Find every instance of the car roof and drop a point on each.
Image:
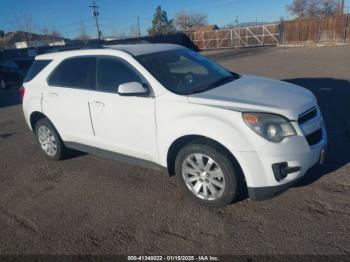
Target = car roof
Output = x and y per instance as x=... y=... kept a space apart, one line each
x=142 y=49
x=132 y=49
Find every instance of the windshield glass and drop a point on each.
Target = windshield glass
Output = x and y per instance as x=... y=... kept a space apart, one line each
x=185 y=72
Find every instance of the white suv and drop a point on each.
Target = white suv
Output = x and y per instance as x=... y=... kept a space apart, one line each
x=165 y=106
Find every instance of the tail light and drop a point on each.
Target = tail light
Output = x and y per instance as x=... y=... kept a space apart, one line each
x=21 y=92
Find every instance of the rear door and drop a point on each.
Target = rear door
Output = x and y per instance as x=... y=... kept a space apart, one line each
x=65 y=98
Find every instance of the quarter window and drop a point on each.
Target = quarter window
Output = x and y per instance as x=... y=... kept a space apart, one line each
x=35 y=69
x=79 y=72
x=112 y=72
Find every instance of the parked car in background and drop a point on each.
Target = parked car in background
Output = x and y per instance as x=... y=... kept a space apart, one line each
x=161 y=105
x=23 y=65
x=10 y=75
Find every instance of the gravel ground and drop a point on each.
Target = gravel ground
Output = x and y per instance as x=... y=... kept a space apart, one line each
x=90 y=205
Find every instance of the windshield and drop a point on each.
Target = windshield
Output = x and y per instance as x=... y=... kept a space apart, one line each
x=185 y=72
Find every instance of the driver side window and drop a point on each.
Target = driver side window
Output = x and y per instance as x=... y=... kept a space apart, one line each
x=111 y=72
x=185 y=65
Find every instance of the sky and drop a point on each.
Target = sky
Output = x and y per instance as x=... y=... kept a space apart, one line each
x=118 y=16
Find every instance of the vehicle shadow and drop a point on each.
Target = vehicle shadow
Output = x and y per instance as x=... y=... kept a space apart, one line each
x=333 y=97
x=9 y=98
x=72 y=153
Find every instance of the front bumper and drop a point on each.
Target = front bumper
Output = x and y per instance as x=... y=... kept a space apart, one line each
x=294 y=151
x=263 y=193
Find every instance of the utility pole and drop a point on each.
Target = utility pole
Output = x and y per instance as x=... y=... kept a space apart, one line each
x=95 y=13
x=236 y=21
x=341 y=7
x=138 y=27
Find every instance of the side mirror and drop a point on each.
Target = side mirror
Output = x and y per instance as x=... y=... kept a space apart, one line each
x=132 y=89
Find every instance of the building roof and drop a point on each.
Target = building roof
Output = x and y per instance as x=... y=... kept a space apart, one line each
x=19 y=36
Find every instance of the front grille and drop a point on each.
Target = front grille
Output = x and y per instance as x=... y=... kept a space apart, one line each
x=308 y=115
x=314 y=138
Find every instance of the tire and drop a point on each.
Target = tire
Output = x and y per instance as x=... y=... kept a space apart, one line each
x=228 y=183
x=46 y=134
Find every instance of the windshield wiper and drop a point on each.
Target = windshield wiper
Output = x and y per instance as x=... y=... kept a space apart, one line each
x=217 y=83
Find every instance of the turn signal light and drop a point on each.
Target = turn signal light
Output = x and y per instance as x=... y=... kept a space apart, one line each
x=250 y=119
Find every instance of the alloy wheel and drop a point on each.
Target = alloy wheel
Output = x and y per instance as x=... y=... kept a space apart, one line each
x=47 y=140
x=203 y=176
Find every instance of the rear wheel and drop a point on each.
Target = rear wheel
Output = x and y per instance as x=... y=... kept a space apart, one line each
x=48 y=139
x=206 y=172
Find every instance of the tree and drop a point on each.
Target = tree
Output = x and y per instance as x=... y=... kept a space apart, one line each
x=312 y=8
x=160 y=23
x=83 y=35
x=134 y=31
x=298 y=8
x=330 y=7
x=23 y=24
x=183 y=20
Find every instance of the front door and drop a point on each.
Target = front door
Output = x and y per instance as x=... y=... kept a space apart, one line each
x=122 y=124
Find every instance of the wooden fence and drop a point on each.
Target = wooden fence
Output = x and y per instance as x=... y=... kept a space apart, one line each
x=327 y=29
x=300 y=31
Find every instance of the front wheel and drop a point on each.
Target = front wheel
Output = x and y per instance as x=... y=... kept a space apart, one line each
x=207 y=173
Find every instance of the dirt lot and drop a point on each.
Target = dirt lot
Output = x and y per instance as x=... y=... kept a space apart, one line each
x=90 y=205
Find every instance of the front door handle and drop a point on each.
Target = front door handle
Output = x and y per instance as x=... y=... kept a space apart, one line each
x=98 y=103
x=53 y=94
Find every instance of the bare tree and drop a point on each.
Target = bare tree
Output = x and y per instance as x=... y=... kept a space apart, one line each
x=83 y=34
x=118 y=35
x=23 y=24
x=329 y=7
x=312 y=8
x=183 y=20
x=50 y=35
x=55 y=33
x=298 y=8
x=134 y=32
x=45 y=31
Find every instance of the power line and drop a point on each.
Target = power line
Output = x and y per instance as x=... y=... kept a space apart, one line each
x=95 y=13
x=234 y=2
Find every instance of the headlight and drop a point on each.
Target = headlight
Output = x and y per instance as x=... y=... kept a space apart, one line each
x=271 y=127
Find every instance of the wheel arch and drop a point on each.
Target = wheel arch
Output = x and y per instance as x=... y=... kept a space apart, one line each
x=35 y=117
x=180 y=142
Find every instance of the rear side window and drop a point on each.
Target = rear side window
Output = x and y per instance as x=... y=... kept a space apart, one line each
x=112 y=72
x=78 y=72
x=36 y=67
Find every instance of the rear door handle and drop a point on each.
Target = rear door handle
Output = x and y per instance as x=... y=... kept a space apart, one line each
x=98 y=103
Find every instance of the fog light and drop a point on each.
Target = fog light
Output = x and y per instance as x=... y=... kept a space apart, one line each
x=281 y=170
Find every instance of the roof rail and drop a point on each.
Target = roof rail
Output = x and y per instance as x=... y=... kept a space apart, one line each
x=128 y=41
x=74 y=47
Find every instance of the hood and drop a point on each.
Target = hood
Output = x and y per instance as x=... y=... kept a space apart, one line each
x=258 y=94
